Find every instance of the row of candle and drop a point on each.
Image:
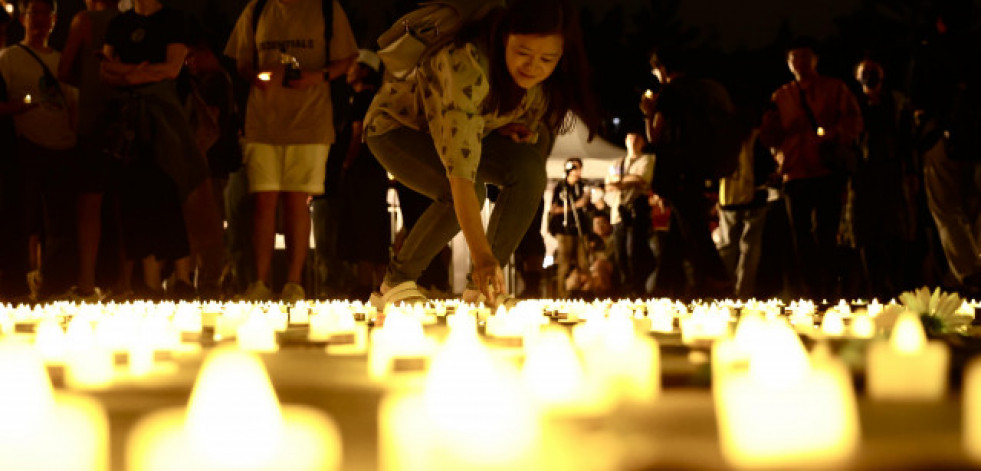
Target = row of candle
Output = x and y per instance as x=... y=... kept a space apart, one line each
x=555 y=379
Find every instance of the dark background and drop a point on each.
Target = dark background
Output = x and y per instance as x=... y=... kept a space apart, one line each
x=739 y=42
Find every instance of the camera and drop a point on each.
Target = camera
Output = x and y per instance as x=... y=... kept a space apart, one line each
x=291 y=68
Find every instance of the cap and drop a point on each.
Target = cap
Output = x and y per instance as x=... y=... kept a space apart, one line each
x=369 y=58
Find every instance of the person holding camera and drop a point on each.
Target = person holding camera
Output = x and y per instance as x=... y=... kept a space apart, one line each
x=566 y=223
x=289 y=124
x=628 y=183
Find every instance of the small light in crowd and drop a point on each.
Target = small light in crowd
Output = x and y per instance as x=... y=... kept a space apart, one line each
x=265 y=76
x=649 y=93
x=820 y=131
x=9 y=7
x=27 y=98
x=616 y=121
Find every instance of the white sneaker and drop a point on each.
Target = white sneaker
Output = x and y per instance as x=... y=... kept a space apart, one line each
x=406 y=292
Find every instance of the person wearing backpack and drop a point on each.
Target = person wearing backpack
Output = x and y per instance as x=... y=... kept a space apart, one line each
x=692 y=127
x=289 y=50
x=482 y=109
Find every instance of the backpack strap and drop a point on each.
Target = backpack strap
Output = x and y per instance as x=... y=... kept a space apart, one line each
x=326 y=7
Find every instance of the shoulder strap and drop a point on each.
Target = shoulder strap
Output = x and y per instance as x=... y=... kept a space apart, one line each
x=256 y=13
x=326 y=6
x=807 y=108
x=44 y=66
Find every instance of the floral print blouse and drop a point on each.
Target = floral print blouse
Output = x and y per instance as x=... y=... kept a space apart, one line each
x=443 y=97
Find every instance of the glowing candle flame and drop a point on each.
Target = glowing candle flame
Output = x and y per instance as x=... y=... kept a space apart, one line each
x=907 y=335
x=233 y=416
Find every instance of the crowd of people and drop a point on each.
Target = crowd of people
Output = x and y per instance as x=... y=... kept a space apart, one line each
x=139 y=143
x=831 y=189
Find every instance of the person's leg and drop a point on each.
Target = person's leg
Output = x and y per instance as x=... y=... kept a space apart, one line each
x=412 y=158
x=519 y=170
x=297 y=227
x=264 y=232
x=151 y=274
x=238 y=212
x=89 y=207
x=264 y=164
x=565 y=253
x=203 y=220
x=750 y=250
x=730 y=228
x=304 y=170
x=828 y=195
x=800 y=208
x=947 y=185
x=710 y=278
x=59 y=263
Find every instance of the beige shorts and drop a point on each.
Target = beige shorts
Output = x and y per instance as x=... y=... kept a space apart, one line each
x=297 y=168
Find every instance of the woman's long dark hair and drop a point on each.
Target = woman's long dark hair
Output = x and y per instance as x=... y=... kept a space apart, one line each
x=567 y=88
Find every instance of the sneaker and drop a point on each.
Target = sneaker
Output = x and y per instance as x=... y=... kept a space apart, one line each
x=257 y=291
x=292 y=292
x=406 y=292
x=76 y=296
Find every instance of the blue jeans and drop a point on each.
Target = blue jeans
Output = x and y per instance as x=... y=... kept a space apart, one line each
x=518 y=169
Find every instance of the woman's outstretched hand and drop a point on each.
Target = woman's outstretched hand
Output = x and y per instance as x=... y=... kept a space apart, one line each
x=488 y=276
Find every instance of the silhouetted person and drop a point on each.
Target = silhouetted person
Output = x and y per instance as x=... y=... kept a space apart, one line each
x=812 y=111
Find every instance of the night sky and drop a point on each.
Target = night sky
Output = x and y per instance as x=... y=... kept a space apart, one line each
x=739 y=42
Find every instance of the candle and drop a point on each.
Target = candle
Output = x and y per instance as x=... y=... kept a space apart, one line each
x=907 y=366
x=400 y=345
x=782 y=412
x=556 y=378
x=471 y=415
x=40 y=429
x=971 y=435
x=234 y=422
x=833 y=323
x=862 y=326
x=89 y=363
x=265 y=76
x=257 y=334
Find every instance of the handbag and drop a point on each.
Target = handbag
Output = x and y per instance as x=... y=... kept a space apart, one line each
x=840 y=158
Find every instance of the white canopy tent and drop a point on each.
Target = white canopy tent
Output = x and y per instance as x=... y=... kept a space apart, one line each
x=597 y=155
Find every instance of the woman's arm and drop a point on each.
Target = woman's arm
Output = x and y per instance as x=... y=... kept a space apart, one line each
x=119 y=74
x=487 y=274
x=77 y=42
